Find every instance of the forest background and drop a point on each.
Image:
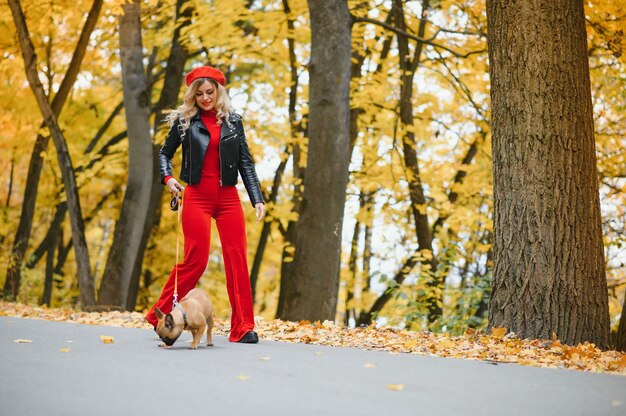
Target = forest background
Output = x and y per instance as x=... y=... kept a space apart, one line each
x=264 y=48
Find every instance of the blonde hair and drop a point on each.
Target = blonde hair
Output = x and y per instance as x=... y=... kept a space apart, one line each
x=188 y=108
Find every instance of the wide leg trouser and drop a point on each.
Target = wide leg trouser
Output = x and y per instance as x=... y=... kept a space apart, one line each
x=202 y=202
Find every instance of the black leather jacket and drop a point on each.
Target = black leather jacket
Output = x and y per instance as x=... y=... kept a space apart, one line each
x=233 y=152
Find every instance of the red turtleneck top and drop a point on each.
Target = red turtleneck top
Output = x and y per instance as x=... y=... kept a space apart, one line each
x=211 y=164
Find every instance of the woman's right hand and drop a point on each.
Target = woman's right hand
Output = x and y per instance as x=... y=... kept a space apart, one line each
x=174 y=186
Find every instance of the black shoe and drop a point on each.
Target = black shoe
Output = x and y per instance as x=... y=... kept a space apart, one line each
x=251 y=337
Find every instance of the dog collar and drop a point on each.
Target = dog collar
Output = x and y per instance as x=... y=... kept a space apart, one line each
x=177 y=305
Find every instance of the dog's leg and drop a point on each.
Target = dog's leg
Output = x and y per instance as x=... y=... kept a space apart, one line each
x=209 y=329
x=196 y=339
x=197 y=336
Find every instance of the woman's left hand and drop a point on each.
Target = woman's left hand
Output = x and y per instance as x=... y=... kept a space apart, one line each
x=260 y=211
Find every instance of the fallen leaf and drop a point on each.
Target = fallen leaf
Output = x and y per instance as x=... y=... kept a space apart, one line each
x=242 y=377
x=264 y=358
x=395 y=387
x=369 y=365
x=498 y=332
x=106 y=339
x=318 y=353
x=621 y=364
x=410 y=344
x=23 y=341
x=65 y=350
x=447 y=343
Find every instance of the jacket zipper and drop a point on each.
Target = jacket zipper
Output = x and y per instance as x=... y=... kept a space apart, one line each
x=219 y=152
x=189 y=155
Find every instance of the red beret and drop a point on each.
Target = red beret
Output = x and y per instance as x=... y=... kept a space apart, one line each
x=205 y=72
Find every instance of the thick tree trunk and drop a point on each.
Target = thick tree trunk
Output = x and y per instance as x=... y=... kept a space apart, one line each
x=22 y=235
x=129 y=230
x=85 y=278
x=312 y=293
x=549 y=275
x=168 y=99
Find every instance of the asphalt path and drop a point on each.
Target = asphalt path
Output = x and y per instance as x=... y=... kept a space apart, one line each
x=133 y=376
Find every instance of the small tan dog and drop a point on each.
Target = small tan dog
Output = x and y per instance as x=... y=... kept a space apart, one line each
x=194 y=312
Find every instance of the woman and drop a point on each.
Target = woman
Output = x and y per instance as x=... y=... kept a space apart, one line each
x=214 y=149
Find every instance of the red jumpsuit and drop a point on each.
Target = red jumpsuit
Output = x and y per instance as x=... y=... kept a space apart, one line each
x=201 y=202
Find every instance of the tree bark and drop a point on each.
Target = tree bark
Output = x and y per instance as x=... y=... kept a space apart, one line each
x=549 y=275
x=128 y=236
x=22 y=235
x=85 y=278
x=312 y=293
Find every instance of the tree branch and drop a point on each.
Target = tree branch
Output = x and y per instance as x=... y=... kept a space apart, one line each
x=414 y=37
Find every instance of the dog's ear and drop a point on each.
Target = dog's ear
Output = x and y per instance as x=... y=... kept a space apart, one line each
x=158 y=313
x=169 y=321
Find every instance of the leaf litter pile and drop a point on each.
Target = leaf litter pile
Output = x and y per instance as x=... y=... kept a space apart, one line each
x=496 y=347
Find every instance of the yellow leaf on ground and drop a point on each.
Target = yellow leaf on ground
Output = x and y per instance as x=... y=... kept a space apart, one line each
x=106 y=339
x=65 y=350
x=264 y=358
x=410 y=344
x=369 y=365
x=498 y=332
x=447 y=343
x=395 y=387
x=23 y=341
x=242 y=377
x=621 y=364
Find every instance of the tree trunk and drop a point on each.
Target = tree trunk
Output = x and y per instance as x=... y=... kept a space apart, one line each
x=11 y=172
x=168 y=99
x=433 y=299
x=22 y=235
x=175 y=64
x=267 y=224
x=287 y=270
x=5 y=214
x=312 y=294
x=129 y=230
x=65 y=163
x=352 y=280
x=549 y=275
x=47 y=286
x=620 y=340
